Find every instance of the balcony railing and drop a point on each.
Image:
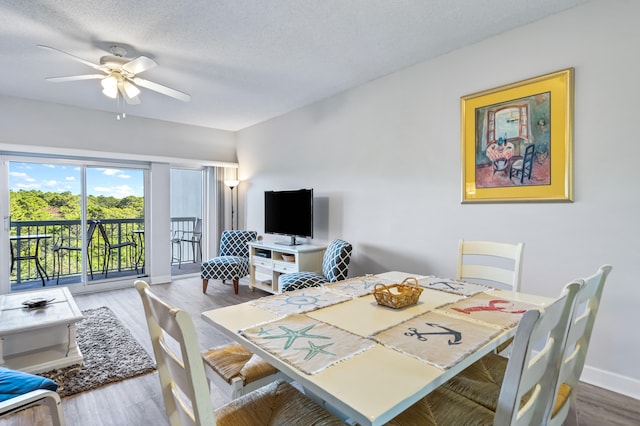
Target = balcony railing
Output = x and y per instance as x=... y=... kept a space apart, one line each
x=59 y=248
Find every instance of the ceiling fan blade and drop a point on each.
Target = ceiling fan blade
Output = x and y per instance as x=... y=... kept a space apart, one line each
x=138 y=65
x=82 y=61
x=161 y=89
x=129 y=92
x=75 y=78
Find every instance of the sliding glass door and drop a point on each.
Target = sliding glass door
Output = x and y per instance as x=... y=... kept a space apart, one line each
x=45 y=204
x=73 y=222
x=187 y=214
x=115 y=221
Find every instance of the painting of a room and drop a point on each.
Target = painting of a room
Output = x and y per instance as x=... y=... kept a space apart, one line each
x=513 y=143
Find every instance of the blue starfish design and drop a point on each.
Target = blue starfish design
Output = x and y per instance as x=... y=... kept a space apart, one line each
x=315 y=350
x=263 y=331
x=292 y=335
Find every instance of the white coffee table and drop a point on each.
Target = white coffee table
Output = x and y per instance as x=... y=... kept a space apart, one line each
x=39 y=339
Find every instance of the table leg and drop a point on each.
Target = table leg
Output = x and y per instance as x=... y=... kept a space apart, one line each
x=73 y=344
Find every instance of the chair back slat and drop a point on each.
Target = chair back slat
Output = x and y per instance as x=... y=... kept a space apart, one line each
x=488 y=273
x=184 y=385
x=533 y=371
x=491 y=262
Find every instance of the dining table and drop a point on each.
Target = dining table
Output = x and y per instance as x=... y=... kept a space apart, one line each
x=367 y=362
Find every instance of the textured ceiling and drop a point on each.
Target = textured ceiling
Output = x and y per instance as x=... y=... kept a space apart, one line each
x=242 y=61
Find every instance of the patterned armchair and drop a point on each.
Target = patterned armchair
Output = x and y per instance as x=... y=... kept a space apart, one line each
x=335 y=266
x=232 y=262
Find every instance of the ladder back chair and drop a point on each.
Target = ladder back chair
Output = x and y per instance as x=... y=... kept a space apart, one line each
x=236 y=371
x=576 y=346
x=491 y=263
x=530 y=376
x=481 y=382
x=184 y=384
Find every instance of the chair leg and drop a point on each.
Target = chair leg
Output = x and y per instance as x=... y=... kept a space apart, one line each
x=235 y=285
x=57 y=267
x=205 y=283
x=55 y=407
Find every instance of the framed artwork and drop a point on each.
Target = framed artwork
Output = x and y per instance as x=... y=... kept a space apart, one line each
x=517 y=141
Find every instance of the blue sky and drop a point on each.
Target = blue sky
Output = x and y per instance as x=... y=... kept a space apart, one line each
x=112 y=181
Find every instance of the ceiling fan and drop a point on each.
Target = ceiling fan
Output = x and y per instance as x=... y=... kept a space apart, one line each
x=119 y=75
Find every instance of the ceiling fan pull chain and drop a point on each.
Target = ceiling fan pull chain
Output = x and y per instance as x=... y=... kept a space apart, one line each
x=120 y=106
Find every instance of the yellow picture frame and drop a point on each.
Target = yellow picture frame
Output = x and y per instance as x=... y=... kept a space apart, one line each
x=517 y=141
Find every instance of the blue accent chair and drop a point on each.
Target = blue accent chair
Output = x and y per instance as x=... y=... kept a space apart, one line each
x=335 y=267
x=232 y=262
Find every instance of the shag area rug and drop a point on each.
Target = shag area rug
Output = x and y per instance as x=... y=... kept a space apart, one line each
x=110 y=354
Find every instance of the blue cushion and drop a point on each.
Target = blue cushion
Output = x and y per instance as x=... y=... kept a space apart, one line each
x=232 y=262
x=15 y=383
x=335 y=267
x=298 y=280
x=225 y=268
x=335 y=263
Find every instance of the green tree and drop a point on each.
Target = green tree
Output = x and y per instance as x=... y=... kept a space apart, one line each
x=38 y=205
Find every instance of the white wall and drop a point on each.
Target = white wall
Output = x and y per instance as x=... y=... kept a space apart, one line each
x=43 y=128
x=384 y=161
x=27 y=122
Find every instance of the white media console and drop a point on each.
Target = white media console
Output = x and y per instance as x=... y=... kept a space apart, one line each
x=267 y=261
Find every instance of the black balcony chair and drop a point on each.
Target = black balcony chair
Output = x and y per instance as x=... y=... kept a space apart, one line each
x=65 y=245
x=109 y=247
x=194 y=237
x=13 y=256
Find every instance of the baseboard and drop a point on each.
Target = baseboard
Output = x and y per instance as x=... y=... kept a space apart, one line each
x=611 y=381
x=160 y=279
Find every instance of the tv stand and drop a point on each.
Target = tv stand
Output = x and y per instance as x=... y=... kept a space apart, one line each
x=293 y=242
x=267 y=261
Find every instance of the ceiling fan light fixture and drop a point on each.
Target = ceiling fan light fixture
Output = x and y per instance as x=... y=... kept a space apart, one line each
x=112 y=93
x=110 y=86
x=131 y=90
x=121 y=75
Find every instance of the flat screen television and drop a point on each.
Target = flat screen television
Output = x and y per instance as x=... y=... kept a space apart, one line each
x=289 y=213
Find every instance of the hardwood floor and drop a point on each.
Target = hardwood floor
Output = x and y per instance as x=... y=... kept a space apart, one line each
x=138 y=401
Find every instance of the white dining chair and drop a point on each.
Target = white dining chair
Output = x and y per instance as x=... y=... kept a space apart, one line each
x=481 y=382
x=576 y=346
x=530 y=375
x=184 y=384
x=491 y=263
x=235 y=370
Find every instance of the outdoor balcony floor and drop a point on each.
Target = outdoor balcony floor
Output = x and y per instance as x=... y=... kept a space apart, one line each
x=186 y=268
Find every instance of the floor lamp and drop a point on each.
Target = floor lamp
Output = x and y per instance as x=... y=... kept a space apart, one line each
x=232 y=183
